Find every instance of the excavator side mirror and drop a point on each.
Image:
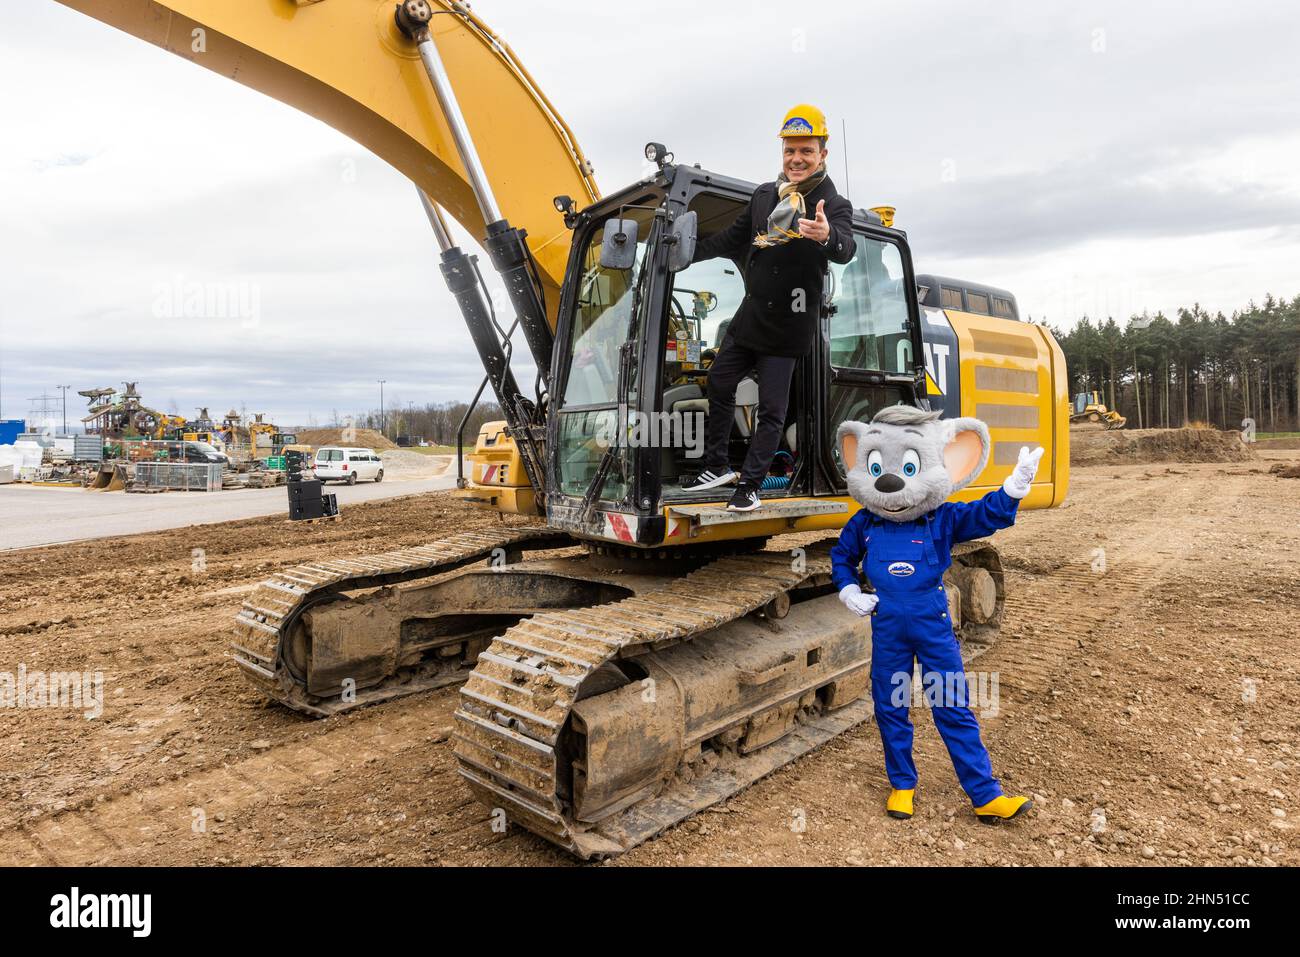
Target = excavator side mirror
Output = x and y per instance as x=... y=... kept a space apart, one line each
x=618 y=248
x=682 y=250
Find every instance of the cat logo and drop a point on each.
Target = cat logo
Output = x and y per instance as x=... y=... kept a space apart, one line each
x=942 y=362
x=901 y=569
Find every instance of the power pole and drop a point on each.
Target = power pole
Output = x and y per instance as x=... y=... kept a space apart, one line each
x=42 y=411
x=381 y=405
x=65 y=389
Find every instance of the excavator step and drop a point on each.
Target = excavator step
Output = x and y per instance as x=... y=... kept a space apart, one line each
x=790 y=512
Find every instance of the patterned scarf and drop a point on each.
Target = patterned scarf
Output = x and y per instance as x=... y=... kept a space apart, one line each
x=789 y=207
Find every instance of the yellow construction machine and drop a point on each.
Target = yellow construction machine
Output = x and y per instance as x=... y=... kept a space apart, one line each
x=638 y=652
x=1089 y=412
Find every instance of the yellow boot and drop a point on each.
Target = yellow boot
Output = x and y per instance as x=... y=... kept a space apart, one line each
x=1003 y=808
x=899 y=804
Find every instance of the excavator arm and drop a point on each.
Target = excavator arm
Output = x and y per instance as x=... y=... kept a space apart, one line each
x=346 y=63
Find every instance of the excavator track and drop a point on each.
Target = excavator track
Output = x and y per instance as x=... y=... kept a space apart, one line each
x=519 y=699
x=273 y=614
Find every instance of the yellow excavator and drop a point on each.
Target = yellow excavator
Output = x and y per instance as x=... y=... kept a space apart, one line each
x=637 y=652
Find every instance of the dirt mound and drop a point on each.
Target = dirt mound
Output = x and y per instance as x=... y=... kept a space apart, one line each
x=1128 y=446
x=357 y=438
x=403 y=464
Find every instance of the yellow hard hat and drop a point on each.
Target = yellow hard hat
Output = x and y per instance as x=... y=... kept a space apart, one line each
x=804 y=120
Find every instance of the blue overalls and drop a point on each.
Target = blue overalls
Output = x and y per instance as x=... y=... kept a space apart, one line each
x=905 y=562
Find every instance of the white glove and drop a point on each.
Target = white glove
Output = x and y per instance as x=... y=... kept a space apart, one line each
x=857 y=601
x=1018 y=482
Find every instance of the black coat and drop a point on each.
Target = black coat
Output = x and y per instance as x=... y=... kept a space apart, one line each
x=781 y=310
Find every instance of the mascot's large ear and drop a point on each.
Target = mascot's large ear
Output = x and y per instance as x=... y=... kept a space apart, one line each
x=847 y=436
x=966 y=452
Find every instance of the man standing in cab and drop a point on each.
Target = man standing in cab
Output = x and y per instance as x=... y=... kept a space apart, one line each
x=781 y=242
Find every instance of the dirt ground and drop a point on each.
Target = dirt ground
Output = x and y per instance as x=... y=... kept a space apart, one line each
x=1149 y=700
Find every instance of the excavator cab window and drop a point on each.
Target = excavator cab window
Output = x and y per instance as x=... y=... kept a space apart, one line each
x=870 y=335
x=869 y=326
x=708 y=291
x=604 y=308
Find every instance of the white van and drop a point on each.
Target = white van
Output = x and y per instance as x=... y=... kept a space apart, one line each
x=348 y=465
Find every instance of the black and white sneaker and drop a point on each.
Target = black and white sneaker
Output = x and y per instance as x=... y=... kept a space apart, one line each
x=709 y=479
x=745 y=499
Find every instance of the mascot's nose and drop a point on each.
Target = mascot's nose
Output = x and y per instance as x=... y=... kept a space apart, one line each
x=889 y=482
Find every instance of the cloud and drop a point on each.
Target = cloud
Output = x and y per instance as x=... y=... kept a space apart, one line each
x=63 y=159
x=1124 y=195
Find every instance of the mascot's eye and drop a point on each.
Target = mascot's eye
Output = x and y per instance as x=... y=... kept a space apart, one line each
x=875 y=464
x=911 y=462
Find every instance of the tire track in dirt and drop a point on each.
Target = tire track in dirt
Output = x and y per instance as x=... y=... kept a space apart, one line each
x=111 y=830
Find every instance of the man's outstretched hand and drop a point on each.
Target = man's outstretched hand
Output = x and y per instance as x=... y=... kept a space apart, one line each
x=816 y=229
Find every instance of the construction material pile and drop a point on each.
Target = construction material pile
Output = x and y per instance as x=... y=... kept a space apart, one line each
x=21 y=460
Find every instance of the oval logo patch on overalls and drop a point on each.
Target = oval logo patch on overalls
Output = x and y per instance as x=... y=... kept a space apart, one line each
x=901 y=569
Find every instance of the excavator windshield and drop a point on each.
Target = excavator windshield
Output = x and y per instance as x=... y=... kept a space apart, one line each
x=869 y=327
x=602 y=318
x=600 y=374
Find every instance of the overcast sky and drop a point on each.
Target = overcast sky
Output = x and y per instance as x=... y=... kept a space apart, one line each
x=1103 y=158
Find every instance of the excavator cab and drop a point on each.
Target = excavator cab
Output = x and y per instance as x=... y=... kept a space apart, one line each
x=633 y=348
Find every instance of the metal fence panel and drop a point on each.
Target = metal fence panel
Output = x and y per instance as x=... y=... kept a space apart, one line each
x=187 y=476
x=87 y=448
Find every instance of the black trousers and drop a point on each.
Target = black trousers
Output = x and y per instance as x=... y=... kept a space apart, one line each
x=732 y=364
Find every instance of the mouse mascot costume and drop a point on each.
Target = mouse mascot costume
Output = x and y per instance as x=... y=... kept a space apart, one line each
x=902 y=468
